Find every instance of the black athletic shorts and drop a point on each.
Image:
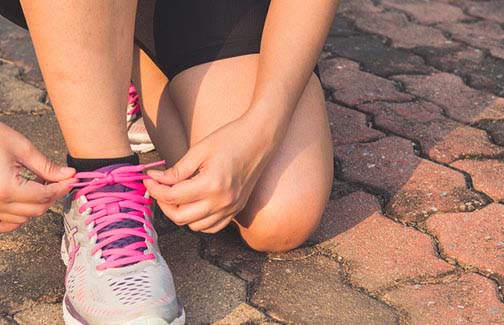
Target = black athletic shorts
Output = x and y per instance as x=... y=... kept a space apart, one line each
x=179 y=34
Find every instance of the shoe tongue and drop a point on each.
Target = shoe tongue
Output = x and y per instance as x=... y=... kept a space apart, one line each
x=120 y=224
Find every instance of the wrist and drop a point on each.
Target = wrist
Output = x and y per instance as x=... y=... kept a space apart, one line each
x=269 y=118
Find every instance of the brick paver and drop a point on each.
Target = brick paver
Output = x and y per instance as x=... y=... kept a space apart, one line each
x=486 y=175
x=349 y=126
x=413 y=230
x=311 y=291
x=416 y=187
x=485 y=34
x=243 y=314
x=479 y=70
x=490 y=10
x=375 y=56
x=460 y=102
x=378 y=251
x=427 y=12
x=16 y=47
x=22 y=255
x=471 y=299
x=344 y=213
x=440 y=138
x=17 y=96
x=474 y=239
x=352 y=87
x=403 y=33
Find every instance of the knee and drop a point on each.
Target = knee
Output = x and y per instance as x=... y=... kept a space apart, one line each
x=279 y=230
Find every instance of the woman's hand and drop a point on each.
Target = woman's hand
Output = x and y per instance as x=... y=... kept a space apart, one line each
x=213 y=181
x=22 y=199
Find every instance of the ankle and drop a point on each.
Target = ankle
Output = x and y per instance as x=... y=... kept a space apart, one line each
x=90 y=164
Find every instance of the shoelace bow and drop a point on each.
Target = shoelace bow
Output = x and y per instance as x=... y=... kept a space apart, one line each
x=106 y=210
x=134 y=106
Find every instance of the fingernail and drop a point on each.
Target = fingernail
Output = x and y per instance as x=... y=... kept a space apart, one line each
x=67 y=170
x=155 y=173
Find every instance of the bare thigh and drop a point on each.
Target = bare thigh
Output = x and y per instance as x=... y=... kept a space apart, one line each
x=289 y=198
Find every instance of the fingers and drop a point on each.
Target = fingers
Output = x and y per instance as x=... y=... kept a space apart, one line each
x=6 y=226
x=40 y=165
x=187 y=213
x=25 y=209
x=198 y=216
x=13 y=219
x=34 y=192
x=186 y=167
x=188 y=191
x=211 y=224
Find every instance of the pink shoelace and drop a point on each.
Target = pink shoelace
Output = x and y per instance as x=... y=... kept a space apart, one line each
x=106 y=210
x=133 y=105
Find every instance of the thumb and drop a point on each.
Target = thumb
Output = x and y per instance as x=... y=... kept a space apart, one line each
x=41 y=166
x=186 y=167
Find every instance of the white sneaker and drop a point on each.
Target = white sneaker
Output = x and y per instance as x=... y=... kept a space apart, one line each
x=140 y=141
x=115 y=272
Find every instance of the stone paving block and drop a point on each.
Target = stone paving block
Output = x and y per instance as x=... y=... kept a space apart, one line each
x=349 y=126
x=471 y=299
x=495 y=128
x=460 y=102
x=16 y=95
x=16 y=46
x=357 y=8
x=481 y=71
x=402 y=32
x=486 y=175
x=32 y=270
x=243 y=314
x=342 y=26
x=380 y=252
x=341 y=188
x=41 y=314
x=375 y=56
x=311 y=291
x=441 y=139
x=227 y=250
x=345 y=213
x=352 y=86
x=427 y=12
x=483 y=34
x=42 y=130
x=475 y=238
x=5 y=321
x=416 y=187
x=207 y=292
x=490 y=10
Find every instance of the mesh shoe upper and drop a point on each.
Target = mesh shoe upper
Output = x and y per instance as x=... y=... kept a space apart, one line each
x=115 y=272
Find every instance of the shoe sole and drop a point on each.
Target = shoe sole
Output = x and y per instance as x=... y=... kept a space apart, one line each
x=70 y=320
x=142 y=147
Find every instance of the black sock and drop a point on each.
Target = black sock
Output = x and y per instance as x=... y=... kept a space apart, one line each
x=87 y=165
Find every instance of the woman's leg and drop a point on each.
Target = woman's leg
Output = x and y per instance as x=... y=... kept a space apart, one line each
x=85 y=52
x=288 y=201
x=161 y=118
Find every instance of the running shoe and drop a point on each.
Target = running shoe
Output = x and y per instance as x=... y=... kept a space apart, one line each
x=140 y=141
x=115 y=272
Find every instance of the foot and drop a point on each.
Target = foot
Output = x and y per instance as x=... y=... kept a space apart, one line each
x=140 y=141
x=115 y=272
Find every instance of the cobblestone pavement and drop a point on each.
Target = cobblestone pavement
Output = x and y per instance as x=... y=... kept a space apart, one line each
x=414 y=230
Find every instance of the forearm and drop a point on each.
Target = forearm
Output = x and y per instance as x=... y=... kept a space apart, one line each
x=293 y=37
